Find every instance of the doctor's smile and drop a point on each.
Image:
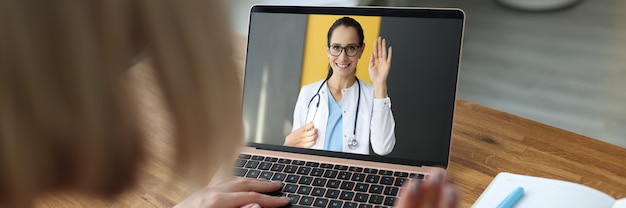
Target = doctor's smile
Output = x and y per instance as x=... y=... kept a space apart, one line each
x=342 y=66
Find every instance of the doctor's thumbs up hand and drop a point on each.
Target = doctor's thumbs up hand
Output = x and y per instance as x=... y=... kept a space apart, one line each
x=305 y=136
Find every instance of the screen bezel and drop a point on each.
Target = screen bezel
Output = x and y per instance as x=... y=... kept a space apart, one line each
x=445 y=13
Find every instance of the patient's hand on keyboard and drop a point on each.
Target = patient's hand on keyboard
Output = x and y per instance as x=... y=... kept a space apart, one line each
x=434 y=192
x=240 y=192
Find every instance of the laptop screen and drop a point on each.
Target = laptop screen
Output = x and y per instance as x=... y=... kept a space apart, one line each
x=288 y=61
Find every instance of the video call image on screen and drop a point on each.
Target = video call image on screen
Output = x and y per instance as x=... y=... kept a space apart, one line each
x=288 y=99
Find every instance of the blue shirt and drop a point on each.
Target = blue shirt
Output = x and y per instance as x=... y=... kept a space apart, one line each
x=334 y=129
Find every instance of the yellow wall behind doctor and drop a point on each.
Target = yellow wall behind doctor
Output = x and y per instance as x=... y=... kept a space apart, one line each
x=315 y=61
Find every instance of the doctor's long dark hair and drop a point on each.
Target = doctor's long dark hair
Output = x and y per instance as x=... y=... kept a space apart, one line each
x=348 y=22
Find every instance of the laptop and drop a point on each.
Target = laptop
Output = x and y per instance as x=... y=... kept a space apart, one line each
x=384 y=143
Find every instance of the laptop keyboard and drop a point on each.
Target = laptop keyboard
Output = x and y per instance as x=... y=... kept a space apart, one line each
x=313 y=184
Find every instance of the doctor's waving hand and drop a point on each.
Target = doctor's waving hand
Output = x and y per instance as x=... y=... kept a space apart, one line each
x=342 y=113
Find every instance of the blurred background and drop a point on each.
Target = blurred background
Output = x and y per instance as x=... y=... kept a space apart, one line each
x=559 y=62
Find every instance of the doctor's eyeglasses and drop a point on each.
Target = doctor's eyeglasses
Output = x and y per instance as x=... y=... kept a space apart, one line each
x=350 y=50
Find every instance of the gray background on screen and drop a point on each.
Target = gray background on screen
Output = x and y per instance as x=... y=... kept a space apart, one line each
x=273 y=73
x=421 y=83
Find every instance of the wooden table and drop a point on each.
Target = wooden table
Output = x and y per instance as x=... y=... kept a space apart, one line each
x=485 y=142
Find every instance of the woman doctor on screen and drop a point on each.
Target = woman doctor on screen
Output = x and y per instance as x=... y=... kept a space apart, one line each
x=341 y=112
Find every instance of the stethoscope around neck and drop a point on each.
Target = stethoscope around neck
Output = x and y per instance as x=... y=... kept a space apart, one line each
x=352 y=142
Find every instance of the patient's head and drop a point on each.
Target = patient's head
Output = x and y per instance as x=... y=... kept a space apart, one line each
x=71 y=117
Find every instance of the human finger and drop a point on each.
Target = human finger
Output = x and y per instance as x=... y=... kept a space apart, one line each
x=249 y=184
x=450 y=197
x=377 y=46
x=309 y=143
x=310 y=138
x=308 y=126
x=431 y=188
x=384 y=49
x=239 y=199
x=375 y=49
x=255 y=205
x=417 y=193
x=313 y=137
x=311 y=132
x=408 y=196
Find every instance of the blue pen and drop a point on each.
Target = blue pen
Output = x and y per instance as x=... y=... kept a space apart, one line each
x=512 y=198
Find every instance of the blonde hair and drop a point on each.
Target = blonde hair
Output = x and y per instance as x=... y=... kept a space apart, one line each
x=67 y=118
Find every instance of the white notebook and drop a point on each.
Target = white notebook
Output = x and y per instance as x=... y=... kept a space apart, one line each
x=544 y=192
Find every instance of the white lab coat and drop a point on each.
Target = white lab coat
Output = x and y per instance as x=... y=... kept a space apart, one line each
x=375 y=117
